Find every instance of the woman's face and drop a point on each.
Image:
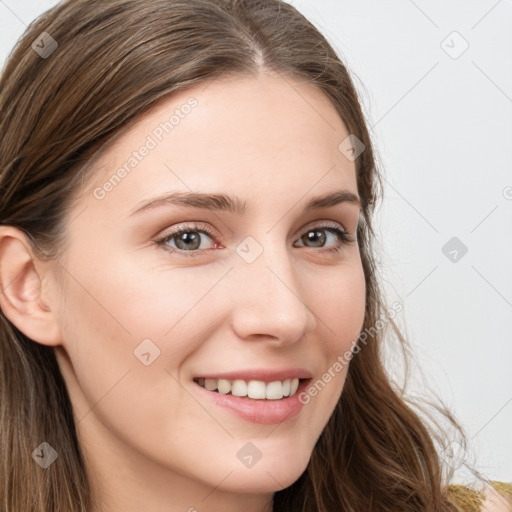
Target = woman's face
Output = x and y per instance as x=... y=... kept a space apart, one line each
x=270 y=293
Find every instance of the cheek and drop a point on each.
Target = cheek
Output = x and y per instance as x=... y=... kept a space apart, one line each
x=120 y=319
x=119 y=304
x=111 y=309
x=108 y=316
x=341 y=306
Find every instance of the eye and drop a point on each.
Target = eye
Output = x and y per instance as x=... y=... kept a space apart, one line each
x=318 y=236
x=187 y=239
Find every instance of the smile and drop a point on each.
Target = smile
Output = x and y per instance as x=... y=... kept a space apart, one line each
x=272 y=402
x=255 y=389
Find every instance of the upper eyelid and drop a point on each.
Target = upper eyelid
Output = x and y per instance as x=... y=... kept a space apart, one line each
x=324 y=223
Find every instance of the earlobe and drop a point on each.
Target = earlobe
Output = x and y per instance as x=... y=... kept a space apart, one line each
x=21 y=291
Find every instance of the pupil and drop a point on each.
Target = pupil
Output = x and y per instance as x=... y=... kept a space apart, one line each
x=188 y=240
x=319 y=236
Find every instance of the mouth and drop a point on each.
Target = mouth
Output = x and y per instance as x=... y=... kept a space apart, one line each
x=253 y=389
x=257 y=396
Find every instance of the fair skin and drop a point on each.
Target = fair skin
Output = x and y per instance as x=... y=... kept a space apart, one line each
x=494 y=501
x=152 y=438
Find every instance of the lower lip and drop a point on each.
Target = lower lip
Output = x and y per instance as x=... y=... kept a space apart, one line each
x=267 y=412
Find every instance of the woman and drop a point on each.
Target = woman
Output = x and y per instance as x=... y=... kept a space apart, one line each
x=191 y=316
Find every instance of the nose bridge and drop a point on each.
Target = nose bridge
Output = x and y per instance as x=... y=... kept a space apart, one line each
x=269 y=300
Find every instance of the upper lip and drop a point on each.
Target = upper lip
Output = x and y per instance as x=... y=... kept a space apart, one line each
x=262 y=374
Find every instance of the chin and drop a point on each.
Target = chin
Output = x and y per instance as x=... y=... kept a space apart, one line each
x=260 y=482
x=277 y=473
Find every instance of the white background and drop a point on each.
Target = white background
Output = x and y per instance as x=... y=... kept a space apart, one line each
x=443 y=133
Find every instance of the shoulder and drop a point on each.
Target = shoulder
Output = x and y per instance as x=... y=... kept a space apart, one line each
x=495 y=497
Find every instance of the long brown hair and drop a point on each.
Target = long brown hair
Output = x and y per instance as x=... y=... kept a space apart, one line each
x=114 y=60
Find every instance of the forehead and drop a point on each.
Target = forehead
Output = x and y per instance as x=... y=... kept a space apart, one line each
x=239 y=133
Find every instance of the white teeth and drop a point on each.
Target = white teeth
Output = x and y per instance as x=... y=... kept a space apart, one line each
x=255 y=389
x=239 y=388
x=224 y=386
x=274 y=390
x=293 y=386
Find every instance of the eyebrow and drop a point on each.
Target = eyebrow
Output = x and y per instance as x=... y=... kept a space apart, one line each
x=235 y=205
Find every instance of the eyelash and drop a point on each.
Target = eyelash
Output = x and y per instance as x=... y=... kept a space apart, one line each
x=344 y=237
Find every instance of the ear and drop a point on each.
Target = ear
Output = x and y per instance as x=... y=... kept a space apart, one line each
x=22 y=290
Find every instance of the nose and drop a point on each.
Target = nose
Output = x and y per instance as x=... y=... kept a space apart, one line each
x=270 y=302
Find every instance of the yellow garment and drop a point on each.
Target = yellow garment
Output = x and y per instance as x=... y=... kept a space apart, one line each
x=471 y=500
